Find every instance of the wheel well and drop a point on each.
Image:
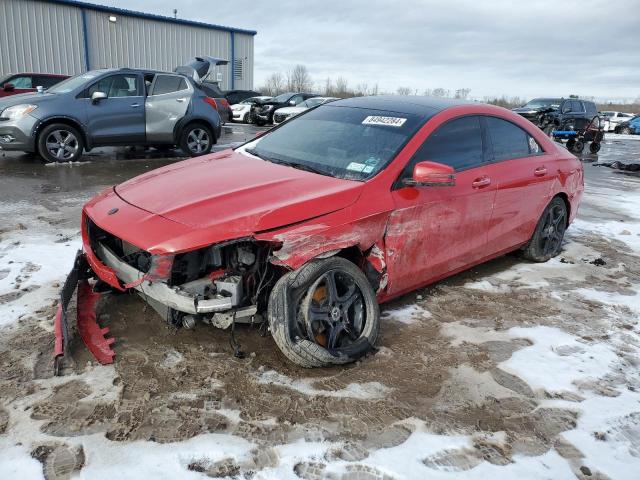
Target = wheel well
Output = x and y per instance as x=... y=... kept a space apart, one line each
x=567 y=204
x=65 y=121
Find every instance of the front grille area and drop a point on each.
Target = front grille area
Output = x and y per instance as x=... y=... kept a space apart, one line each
x=279 y=117
x=130 y=254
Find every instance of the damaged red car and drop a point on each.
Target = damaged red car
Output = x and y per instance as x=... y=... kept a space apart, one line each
x=312 y=225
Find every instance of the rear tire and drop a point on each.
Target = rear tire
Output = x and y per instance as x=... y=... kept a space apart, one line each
x=625 y=131
x=60 y=142
x=594 y=147
x=546 y=241
x=330 y=329
x=578 y=146
x=196 y=139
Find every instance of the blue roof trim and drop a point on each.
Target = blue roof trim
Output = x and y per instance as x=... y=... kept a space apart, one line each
x=149 y=16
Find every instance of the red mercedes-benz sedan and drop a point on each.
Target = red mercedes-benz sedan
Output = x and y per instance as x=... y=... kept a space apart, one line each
x=310 y=226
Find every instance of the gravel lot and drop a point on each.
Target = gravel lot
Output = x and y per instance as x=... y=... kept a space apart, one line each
x=509 y=370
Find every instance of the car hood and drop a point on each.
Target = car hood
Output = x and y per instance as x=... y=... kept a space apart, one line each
x=234 y=195
x=34 y=98
x=291 y=110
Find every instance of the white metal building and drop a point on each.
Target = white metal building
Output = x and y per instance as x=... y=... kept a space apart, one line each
x=70 y=37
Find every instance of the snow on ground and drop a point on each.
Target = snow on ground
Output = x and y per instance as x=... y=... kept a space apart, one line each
x=593 y=377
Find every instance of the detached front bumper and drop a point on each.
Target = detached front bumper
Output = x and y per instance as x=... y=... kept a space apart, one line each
x=93 y=336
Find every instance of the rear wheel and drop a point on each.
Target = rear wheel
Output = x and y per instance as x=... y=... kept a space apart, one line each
x=546 y=241
x=59 y=142
x=625 y=131
x=324 y=313
x=196 y=140
x=594 y=147
x=578 y=146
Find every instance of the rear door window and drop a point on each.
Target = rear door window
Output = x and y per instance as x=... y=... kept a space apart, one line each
x=509 y=141
x=168 y=84
x=457 y=143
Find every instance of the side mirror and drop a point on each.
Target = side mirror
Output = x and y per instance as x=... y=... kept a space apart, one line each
x=97 y=96
x=432 y=174
x=8 y=87
x=566 y=109
x=292 y=103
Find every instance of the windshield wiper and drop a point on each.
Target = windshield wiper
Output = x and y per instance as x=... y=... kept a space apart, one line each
x=300 y=166
x=252 y=151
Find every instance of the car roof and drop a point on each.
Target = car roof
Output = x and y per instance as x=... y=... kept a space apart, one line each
x=56 y=75
x=412 y=104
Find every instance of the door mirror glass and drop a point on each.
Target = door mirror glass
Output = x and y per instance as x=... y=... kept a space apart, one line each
x=292 y=103
x=97 y=96
x=566 y=108
x=432 y=174
x=8 y=87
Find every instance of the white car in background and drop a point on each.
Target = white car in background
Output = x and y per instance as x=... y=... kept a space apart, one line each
x=284 y=114
x=612 y=119
x=241 y=112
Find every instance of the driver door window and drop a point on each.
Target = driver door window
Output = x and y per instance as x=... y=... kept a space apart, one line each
x=23 y=82
x=116 y=86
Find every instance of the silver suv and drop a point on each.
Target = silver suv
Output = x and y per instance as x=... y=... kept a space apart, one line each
x=111 y=107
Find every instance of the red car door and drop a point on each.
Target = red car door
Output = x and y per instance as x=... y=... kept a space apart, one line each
x=524 y=176
x=435 y=231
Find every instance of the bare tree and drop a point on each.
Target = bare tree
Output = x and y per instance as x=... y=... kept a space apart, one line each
x=274 y=84
x=462 y=93
x=440 y=92
x=404 y=91
x=298 y=79
x=342 y=88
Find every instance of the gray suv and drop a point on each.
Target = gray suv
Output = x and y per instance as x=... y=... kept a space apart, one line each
x=111 y=107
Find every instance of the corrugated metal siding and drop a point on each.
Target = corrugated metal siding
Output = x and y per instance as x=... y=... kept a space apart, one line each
x=244 y=52
x=48 y=37
x=40 y=37
x=137 y=42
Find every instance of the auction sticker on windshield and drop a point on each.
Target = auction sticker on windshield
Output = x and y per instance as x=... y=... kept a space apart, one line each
x=388 y=121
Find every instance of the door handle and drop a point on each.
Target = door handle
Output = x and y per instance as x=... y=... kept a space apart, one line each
x=180 y=100
x=135 y=105
x=540 y=171
x=481 y=182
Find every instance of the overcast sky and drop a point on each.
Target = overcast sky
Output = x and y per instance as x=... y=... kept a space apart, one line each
x=494 y=47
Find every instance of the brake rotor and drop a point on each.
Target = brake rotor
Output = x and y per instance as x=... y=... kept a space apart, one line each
x=319 y=296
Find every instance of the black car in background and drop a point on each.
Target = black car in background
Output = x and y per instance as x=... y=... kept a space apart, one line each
x=534 y=108
x=237 y=96
x=552 y=114
x=262 y=112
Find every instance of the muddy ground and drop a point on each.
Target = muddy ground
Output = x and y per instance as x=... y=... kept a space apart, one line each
x=438 y=366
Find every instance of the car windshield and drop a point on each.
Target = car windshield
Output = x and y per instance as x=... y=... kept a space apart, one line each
x=543 y=102
x=342 y=142
x=283 y=97
x=72 y=83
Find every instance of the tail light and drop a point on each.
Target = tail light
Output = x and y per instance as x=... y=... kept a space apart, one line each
x=212 y=102
x=224 y=103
